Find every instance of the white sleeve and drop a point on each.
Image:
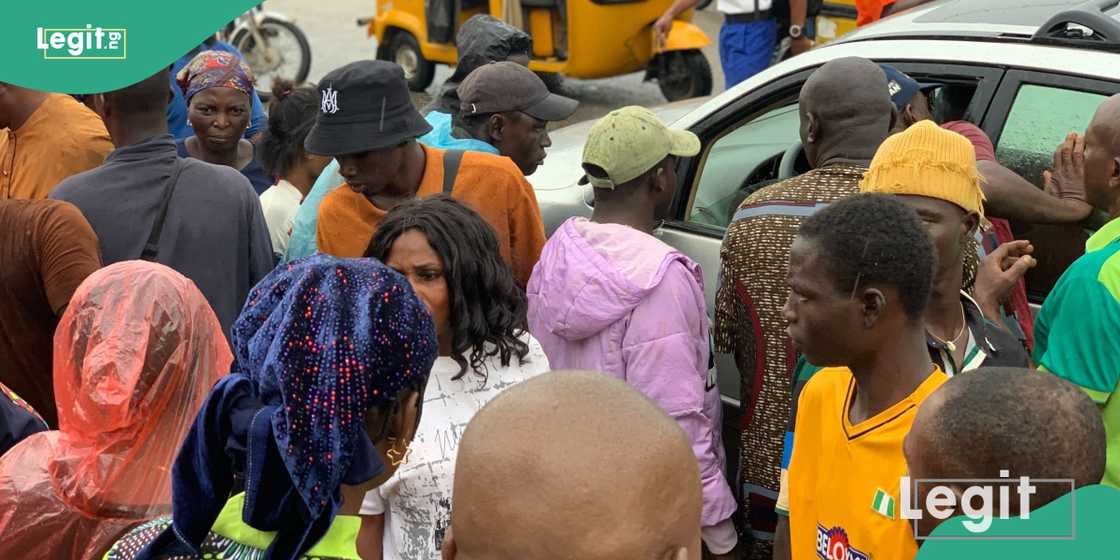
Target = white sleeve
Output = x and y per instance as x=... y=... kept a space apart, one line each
x=373 y=503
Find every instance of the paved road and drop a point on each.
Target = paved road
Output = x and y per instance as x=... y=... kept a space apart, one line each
x=336 y=39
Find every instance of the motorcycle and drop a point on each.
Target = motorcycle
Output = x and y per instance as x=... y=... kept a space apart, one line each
x=272 y=45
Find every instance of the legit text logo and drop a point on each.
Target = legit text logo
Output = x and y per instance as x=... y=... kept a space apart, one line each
x=944 y=497
x=89 y=43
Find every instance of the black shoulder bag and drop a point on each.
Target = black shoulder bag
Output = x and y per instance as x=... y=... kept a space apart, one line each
x=151 y=248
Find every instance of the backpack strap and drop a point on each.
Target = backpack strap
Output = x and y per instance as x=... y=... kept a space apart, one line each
x=451 y=161
x=151 y=248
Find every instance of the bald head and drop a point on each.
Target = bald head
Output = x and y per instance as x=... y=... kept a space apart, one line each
x=846 y=110
x=1102 y=158
x=574 y=465
x=1027 y=422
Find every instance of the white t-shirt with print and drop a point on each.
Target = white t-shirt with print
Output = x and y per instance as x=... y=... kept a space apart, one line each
x=416 y=501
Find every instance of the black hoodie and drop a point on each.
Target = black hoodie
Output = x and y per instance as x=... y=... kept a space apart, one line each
x=481 y=40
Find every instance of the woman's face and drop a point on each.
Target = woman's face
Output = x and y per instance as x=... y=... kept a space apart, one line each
x=219 y=117
x=412 y=256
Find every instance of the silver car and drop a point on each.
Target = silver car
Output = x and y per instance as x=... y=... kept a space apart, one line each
x=1026 y=71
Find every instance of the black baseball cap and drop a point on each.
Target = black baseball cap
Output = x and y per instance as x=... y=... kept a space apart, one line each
x=504 y=86
x=903 y=88
x=364 y=106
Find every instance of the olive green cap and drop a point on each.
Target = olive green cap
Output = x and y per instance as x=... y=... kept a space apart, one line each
x=630 y=141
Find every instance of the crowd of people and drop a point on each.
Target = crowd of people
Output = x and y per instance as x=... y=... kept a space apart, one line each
x=340 y=331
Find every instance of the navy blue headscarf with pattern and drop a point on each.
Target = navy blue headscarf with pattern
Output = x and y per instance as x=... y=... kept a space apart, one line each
x=321 y=341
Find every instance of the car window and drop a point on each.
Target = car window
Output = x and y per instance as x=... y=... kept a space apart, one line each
x=1039 y=120
x=742 y=161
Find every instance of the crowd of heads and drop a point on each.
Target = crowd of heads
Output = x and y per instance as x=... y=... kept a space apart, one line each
x=331 y=357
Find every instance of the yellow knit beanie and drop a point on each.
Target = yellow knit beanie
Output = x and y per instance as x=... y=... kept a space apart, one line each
x=927 y=160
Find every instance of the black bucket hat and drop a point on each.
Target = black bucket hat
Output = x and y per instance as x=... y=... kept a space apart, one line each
x=364 y=106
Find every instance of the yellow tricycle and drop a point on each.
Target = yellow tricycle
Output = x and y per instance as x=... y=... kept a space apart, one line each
x=837 y=18
x=576 y=38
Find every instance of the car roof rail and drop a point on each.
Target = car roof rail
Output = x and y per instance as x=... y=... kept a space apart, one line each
x=1086 y=25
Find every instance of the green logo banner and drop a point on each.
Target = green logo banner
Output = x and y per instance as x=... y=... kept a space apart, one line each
x=82 y=46
x=1081 y=524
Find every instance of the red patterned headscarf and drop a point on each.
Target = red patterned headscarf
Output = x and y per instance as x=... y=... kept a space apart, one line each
x=211 y=69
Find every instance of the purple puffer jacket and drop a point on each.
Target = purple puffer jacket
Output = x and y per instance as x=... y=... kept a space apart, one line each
x=610 y=298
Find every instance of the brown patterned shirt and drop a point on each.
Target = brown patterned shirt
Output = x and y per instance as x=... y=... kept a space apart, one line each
x=749 y=322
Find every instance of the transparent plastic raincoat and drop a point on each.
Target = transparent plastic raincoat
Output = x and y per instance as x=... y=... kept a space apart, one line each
x=135 y=355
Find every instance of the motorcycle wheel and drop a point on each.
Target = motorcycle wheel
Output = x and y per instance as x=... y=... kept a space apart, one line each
x=288 y=54
x=683 y=74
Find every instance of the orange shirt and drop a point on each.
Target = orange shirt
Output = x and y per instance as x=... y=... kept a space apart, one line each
x=870 y=10
x=492 y=185
x=844 y=479
x=61 y=138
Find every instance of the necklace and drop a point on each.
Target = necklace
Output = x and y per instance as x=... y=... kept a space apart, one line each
x=951 y=344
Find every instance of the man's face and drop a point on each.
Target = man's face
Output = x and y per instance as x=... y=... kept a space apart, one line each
x=947 y=225
x=371 y=173
x=918 y=110
x=522 y=139
x=1100 y=169
x=823 y=321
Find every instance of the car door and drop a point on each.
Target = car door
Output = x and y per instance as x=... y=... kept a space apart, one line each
x=1029 y=117
x=741 y=143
